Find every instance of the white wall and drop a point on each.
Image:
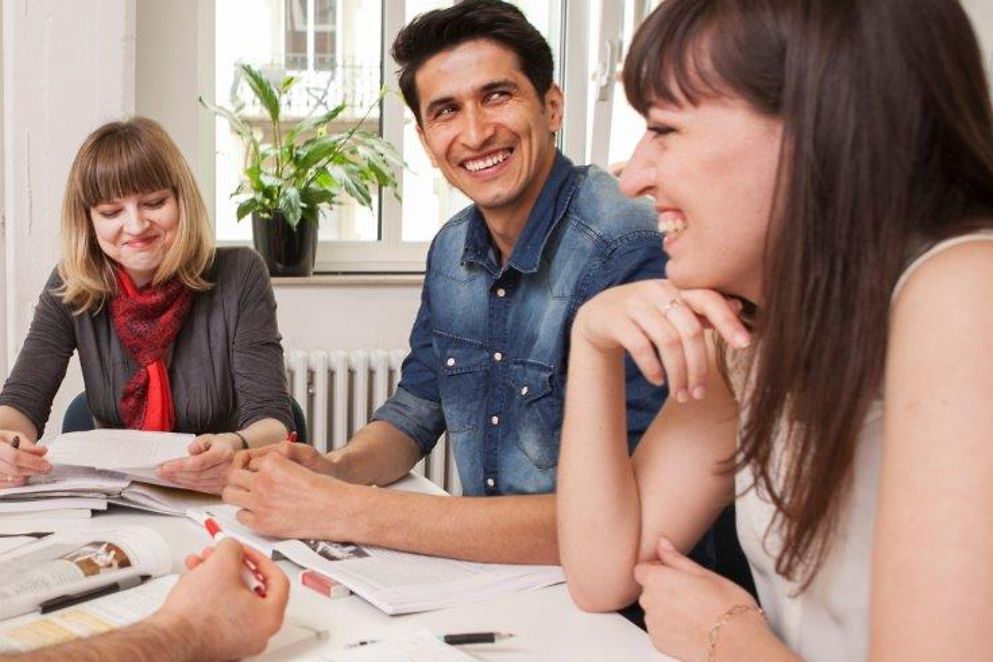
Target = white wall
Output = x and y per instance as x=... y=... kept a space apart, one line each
x=3 y=229
x=68 y=67
x=981 y=13
x=371 y=316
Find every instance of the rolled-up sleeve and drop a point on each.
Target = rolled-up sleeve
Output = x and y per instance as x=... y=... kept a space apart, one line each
x=419 y=419
x=257 y=352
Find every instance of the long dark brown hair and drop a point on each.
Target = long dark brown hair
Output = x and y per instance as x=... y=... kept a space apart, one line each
x=888 y=146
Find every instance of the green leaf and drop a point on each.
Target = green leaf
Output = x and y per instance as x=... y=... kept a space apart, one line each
x=316 y=150
x=253 y=174
x=289 y=205
x=306 y=125
x=246 y=208
x=315 y=197
x=288 y=82
x=263 y=91
x=270 y=181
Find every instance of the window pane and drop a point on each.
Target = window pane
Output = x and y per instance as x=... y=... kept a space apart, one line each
x=341 y=63
x=428 y=200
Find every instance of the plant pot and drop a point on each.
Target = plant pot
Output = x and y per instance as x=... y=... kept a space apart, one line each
x=287 y=252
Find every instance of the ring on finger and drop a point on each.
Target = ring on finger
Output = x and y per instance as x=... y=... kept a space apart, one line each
x=674 y=302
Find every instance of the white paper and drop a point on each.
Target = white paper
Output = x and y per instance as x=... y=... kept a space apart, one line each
x=58 y=514
x=9 y=542
x=165 y=500
x=117 y=450
x=51 y=503
x=89 y=618
x=420 y=646
x=67 y=479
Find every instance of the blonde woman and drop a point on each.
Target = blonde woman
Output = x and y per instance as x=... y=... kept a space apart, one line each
x=173 y=334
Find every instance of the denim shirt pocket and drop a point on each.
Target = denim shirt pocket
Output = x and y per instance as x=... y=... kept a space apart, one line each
x=538 y=407
x=462 y=380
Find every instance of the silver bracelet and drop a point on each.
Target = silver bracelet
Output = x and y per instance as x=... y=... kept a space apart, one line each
x=715 y=629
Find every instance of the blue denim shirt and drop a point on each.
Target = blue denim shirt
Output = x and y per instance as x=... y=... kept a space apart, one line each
x=489 y=347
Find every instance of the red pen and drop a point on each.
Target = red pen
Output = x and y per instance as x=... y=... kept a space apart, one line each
x=253 y=578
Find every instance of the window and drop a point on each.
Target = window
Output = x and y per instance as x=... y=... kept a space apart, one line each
x=337 y=48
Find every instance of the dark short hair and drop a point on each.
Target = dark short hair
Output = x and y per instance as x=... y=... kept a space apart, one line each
x=443 y=29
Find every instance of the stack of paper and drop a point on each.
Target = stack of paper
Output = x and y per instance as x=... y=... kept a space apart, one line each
x=65 y=492
x=92 y=469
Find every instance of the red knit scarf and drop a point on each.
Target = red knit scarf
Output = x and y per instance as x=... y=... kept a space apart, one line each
x=147 y=321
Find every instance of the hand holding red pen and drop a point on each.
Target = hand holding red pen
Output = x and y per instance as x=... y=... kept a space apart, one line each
x=249 y=572
x=211 y=605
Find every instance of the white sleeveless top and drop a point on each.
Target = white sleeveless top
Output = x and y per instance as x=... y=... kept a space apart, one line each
x=830 y=620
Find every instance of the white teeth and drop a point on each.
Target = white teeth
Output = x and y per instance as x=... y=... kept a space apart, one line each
x=488 y=162
x=672 y=226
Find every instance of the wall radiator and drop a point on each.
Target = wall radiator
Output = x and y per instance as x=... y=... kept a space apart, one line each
x=340 y=390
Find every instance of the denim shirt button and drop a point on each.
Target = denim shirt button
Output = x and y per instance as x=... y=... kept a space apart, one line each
x=450 y=362
x=524 y=390
x=490 y=482
x=498 y=356
x=501 y=292
x=495 y=420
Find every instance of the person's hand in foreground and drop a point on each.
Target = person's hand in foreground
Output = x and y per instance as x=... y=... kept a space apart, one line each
x=213 y=607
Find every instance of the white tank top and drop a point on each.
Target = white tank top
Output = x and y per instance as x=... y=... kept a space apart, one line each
x=830 y=620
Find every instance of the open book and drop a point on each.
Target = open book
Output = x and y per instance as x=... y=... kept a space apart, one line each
x=395 y=582
x=71 y=563
x=134 y=453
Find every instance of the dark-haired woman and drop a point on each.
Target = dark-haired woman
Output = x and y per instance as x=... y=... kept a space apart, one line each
x=172 y=334
x=823 y=172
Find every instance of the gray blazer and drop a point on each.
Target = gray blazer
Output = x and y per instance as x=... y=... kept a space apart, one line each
x=226 y=368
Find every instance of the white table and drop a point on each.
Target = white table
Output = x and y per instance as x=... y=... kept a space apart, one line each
x=546 y=624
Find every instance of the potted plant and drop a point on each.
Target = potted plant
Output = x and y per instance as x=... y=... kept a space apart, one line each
x=302 y=169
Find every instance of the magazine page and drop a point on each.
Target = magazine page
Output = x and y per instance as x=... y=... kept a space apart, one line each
x=70 y=562
x=394 y=582
x=402 y=583
x=89 y=618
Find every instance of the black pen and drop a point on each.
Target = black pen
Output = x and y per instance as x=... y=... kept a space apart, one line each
x=459 y=639
x=475 y=638
x=64 y=601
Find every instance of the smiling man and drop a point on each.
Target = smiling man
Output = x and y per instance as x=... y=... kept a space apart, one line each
x=489 y=347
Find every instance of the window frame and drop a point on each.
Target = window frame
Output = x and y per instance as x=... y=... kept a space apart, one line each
x=390 y=254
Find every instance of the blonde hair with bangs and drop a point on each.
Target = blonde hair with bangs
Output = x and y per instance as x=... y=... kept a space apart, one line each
x=117 y=160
